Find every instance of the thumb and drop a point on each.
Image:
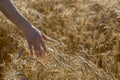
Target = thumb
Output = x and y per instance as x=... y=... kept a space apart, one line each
x=47 y=38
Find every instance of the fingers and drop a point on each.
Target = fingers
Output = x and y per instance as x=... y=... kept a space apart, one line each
x=43 y=45
x=40 y=47
x=48 y=38
x=31 y=49
x=37 y=45
x=38 y=50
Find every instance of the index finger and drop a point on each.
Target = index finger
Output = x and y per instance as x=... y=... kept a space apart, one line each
x=43 y=45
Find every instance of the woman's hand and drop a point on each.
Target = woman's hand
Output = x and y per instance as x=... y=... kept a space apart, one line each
x=34 y=37
x=36 y=42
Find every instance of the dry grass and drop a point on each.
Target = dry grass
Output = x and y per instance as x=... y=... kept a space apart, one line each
x=88 y=41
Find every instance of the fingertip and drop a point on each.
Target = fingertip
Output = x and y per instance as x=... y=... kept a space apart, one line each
x=45 y=49
x=43 y=45
x=31 y=54
x=37 y=54
x=40 y=55
x=46 y=37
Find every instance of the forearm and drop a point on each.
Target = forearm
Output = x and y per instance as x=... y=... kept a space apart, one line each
x=11 y=12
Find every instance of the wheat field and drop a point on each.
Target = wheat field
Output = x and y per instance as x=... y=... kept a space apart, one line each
x=86 y=47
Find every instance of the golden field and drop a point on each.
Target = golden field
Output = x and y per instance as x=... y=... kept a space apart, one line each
x=86 y=47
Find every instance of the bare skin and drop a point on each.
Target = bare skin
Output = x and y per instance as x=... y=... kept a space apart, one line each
x=34 y=37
